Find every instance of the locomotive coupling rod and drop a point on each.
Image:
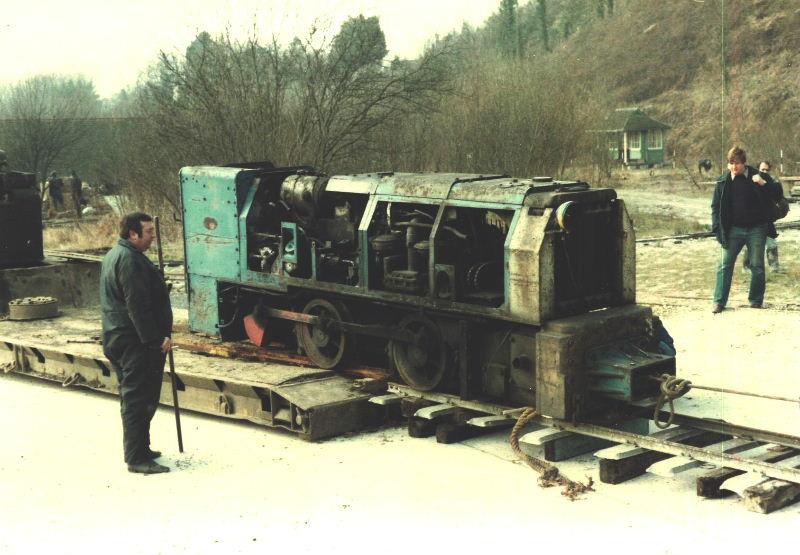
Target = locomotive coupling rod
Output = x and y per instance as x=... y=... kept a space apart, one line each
x=363 y=329
x=173 y=378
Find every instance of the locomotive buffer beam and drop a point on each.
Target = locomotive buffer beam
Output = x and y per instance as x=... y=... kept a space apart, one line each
x=382 y=332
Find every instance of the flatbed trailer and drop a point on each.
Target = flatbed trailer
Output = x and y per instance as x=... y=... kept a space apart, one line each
x=311 y=402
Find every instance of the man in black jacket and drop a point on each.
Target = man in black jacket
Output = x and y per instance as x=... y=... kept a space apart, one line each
x=773 y=261
x=741 y=215
x=137 y=327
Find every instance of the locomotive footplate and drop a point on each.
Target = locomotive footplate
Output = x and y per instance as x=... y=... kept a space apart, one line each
x=314 y=403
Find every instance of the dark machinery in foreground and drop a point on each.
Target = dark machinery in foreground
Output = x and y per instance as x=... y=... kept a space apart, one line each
x=520 y=291
x=20 y=220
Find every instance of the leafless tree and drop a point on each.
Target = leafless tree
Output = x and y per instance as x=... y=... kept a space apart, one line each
x=314 y=102
x=45 y=118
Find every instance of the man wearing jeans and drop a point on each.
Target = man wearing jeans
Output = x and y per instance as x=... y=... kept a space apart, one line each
x=740 y=215
x=772 y=242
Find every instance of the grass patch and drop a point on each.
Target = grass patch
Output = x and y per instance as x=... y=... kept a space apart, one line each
x=97 y=237
x=649 y=224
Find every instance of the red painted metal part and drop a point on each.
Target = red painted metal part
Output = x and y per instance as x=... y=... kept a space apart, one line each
x=255 y=333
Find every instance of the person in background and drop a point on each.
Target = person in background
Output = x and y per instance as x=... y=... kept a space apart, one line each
x=773 y=260
x=55 y=186
x=76 y=187
x=741 y=215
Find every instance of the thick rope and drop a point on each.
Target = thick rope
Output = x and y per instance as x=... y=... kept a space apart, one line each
x=549 y=474
x=671 y=388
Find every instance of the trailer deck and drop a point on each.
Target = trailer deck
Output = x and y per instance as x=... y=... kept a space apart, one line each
x=313 y=403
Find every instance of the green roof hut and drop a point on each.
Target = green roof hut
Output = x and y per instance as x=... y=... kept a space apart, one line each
x=634 y=138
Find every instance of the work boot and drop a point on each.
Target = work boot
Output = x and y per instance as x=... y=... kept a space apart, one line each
x=148 y=467
x=153 y=454
x=717 y=309
x=756 y=305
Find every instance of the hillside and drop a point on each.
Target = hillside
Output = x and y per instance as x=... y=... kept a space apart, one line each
x=718 y=71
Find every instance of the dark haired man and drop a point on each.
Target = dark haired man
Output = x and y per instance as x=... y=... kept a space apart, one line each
x=741 y=215
x=772 y=242
x=137 y=326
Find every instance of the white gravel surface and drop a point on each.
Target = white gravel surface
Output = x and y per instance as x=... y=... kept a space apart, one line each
x=240 y=488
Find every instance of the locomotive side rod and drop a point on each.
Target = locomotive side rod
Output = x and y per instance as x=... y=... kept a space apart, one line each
x=362 y=329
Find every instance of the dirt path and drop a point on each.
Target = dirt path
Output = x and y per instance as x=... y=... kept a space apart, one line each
x=697 y=209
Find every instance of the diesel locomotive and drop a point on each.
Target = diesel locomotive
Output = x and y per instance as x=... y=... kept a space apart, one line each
x=518 y=291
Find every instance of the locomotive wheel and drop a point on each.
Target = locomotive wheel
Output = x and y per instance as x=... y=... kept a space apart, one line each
x=421 y=363
x=325 y=343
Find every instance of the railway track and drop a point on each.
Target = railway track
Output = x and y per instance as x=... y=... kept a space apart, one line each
x=707 y=234
x=760 y=467
x=97 y=257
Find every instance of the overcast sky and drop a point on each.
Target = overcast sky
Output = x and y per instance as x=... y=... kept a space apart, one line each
x=112 y=41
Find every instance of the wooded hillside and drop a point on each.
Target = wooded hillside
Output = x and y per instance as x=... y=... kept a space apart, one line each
x=521 y=94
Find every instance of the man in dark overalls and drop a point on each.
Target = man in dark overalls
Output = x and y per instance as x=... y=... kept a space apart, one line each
x=137 y=326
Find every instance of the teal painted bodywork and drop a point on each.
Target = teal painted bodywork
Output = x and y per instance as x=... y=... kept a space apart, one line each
x=218 y=203
x=622 y=371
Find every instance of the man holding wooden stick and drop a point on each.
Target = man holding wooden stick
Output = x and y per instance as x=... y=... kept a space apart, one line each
x=137 y=330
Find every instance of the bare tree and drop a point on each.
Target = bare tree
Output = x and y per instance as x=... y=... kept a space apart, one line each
x=314 y=102
x=346 y=93
x=44 y=119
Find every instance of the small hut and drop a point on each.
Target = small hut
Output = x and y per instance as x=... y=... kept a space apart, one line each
x=634 y=138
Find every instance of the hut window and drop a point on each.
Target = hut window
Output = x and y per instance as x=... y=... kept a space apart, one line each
x=655 y=139
x=635 y=140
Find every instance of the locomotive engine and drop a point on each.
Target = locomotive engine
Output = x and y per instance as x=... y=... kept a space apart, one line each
x=519 y=291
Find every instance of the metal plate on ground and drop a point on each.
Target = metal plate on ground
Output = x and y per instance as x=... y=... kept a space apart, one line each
x=32 y=308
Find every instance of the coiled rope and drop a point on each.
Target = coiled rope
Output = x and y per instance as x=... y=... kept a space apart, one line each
x=671 y=389
x=549 y=475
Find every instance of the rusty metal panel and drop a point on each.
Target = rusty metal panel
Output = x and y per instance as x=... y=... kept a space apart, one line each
x=561 y=347
x=502 y=190
x=527 y=268
x=363 y=183
x=72 y=283
x=628 y=249
x=551 y=198
x=420 y=185
x=203 y=304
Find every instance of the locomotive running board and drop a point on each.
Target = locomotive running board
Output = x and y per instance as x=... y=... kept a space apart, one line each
x=314 y=404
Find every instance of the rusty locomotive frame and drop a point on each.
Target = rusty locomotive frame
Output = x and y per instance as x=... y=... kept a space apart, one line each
x=519 y=291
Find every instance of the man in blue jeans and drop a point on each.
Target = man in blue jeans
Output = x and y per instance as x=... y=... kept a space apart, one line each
x=741 y=215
